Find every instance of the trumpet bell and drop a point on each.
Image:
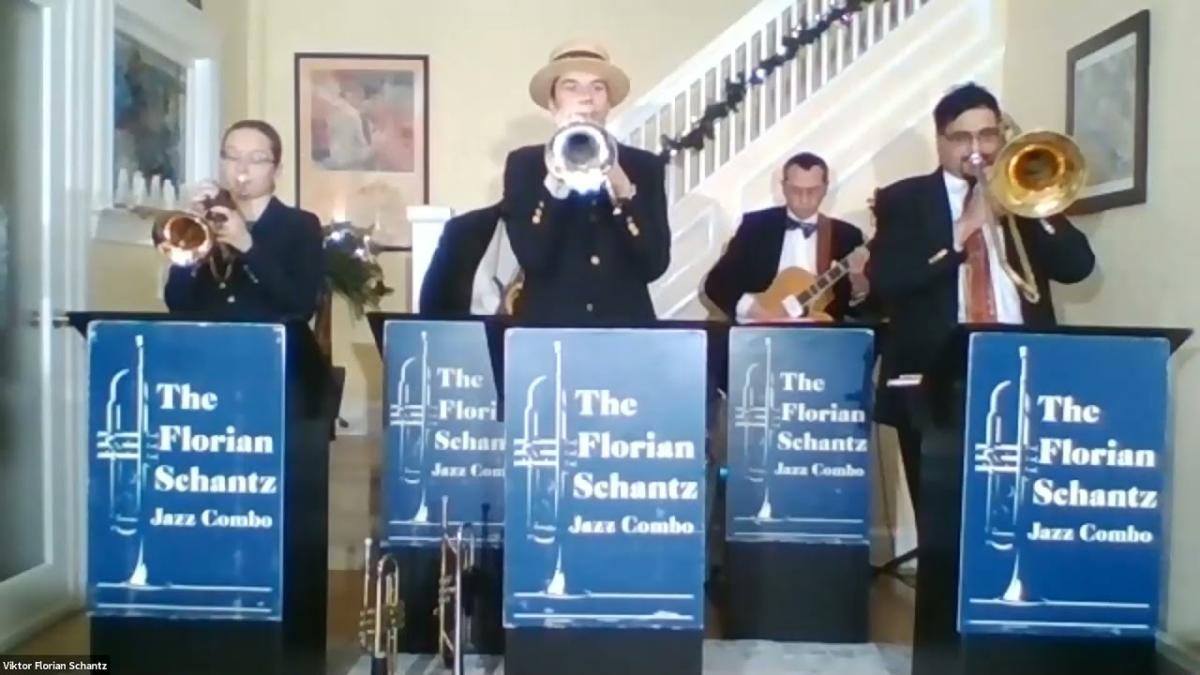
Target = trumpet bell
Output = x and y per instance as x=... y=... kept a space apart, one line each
x=186 y=239
x=580 y=155
x=1038 y=174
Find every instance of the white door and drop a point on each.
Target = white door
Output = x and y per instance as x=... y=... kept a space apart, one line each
x=41 y=443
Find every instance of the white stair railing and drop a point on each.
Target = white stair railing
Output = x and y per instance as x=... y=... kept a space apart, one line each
x=673 y=106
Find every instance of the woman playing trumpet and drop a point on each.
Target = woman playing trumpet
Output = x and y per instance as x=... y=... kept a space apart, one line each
x=271 y=259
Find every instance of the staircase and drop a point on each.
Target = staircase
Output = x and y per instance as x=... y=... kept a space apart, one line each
x=861 y=97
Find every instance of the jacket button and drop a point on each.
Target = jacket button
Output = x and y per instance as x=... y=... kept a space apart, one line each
x=229 y=299
x=595 y=261
x=590 y=307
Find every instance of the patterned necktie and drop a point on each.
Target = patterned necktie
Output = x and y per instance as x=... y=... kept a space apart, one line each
x=981 y=302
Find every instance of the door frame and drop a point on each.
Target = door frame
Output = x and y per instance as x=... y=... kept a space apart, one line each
x=76 y=199
x=38 y=596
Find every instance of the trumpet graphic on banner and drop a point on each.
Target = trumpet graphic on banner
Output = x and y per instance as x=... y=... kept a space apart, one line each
x=753 y=416
x=548 y=458
x=1008 y=472
x=410 y=412
x=130 y=450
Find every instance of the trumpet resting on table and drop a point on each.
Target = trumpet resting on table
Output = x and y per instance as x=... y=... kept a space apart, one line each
x=455 y=590
x=381 y=618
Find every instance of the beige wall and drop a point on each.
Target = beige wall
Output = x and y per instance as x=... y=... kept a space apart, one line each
x=1145 y=253
x=481 y=56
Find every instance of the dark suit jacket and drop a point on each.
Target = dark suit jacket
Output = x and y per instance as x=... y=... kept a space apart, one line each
x=751 y=260
x=913 y=271
x=281 y=277
x=449 y=280
x=584 y=264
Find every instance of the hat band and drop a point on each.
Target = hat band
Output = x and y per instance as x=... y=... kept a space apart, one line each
x=579 y=54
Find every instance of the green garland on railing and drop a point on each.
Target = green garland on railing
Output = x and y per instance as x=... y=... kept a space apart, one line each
x=703 y=129
x=351 y=270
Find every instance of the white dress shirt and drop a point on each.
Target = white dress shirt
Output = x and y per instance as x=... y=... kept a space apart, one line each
x=1008 y=302
x=497 y=268
x=797 y=251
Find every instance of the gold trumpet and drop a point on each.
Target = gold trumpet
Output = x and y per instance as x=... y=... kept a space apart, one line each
x=189 y=240
x=454 y=580
x=382 y=615
x=1037 y=174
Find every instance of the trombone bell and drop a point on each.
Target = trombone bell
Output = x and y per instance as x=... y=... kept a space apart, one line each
x=1038 y=174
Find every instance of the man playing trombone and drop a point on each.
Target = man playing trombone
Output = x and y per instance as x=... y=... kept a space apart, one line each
x=589 y=230
x=943 y=255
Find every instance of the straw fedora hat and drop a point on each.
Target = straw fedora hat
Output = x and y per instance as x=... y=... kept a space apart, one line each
x=579 y=55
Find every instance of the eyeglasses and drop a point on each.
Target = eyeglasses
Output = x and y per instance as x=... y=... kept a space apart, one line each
x=254 y=158
x=986 y=136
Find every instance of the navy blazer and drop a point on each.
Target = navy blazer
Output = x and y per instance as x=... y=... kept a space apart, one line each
x=450 y=279
x=281 y=277
x=751 y=261
x=914 y=272
x=583 y=262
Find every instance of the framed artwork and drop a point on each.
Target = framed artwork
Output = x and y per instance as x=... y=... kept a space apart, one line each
x=362 y=140
x=1108 y=97
x=158 y=108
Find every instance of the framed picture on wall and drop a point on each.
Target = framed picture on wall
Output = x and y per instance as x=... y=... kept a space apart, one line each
x=158 y=108
x=362 y=140
x=1108 y=97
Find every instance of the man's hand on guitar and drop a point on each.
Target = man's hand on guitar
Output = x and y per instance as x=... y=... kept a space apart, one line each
x=759 y=313
x=857 y=262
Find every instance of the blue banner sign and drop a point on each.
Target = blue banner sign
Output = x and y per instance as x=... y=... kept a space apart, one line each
x=605 y=520
x=445 y=443
x=1063 y=502
x=799 y=435
x=185 y=484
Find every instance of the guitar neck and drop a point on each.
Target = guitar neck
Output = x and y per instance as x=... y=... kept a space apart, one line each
x=822 y=283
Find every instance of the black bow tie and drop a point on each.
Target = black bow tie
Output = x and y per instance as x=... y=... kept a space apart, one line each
x=806 y=228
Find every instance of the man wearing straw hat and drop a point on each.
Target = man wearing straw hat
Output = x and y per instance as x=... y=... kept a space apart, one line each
x=587 y=253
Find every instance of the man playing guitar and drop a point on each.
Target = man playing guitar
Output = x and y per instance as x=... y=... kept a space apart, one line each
x=792 y=262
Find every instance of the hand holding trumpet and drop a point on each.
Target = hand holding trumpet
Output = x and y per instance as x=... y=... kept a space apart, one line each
x=229 y=227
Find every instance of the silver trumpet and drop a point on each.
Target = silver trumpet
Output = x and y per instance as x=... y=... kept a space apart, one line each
x=454 y=580
x=580 y=154
x=382 y=615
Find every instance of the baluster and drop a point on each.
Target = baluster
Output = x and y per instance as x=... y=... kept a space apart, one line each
x=826 y=49
x=870 y=14
x=839 y=34
x=783 y=93
x=682 y=126
x=855 y=37
x=695 y=110
x=666 y=126
x=706 y=155
x=686 y=123
x=810 y=53
x=887 y=17
x=744 y=118
x=723 y=126
x=774 y=85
